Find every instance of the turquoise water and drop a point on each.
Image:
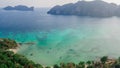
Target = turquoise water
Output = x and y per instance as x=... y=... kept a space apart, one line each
x=49 y=39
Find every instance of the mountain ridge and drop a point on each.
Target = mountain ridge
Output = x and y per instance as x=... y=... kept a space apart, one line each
x=96 y=8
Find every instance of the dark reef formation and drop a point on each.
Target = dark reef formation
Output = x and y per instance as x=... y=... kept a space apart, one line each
x=19 y=7
x=95 y=8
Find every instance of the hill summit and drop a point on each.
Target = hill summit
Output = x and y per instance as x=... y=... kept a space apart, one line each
x=95 y=8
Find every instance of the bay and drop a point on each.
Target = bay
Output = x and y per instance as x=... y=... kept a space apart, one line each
x=50 y=39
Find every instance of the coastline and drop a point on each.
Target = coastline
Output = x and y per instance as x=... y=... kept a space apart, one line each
x=15 y=50
x=103 y=62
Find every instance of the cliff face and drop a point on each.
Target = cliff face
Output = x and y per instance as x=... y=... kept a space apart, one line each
x=84 y=8
x=20 y=8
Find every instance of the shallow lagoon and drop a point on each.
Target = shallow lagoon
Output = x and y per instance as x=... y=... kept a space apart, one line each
x=50 y=39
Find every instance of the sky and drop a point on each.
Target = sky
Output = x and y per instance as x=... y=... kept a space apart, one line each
x=43 y=3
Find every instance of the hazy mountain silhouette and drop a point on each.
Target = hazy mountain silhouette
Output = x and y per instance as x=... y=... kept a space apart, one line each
x=95 y=8
x=19 y=7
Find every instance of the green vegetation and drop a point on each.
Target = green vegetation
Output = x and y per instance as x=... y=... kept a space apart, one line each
x=104 y=59
x=8 y=59
x=7 y=44
x=104 y=62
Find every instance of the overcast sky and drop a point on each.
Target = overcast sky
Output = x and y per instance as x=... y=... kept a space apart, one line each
x=42 y=3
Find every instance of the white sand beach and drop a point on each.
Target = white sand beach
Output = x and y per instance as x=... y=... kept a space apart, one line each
x=15 y=49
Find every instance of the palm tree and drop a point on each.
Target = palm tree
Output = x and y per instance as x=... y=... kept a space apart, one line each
x=82 y=64
x=104 y=59
x=56 y=66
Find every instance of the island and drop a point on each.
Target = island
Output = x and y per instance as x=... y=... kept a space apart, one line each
x=19 y=8
x=96 y=8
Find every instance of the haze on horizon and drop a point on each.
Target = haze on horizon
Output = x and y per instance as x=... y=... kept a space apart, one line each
x=43 y=3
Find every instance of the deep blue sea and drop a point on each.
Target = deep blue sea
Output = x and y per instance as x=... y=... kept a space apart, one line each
x=50 y=39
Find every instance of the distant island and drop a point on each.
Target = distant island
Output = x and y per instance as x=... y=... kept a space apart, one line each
x=95 y=8
x=19 y=8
